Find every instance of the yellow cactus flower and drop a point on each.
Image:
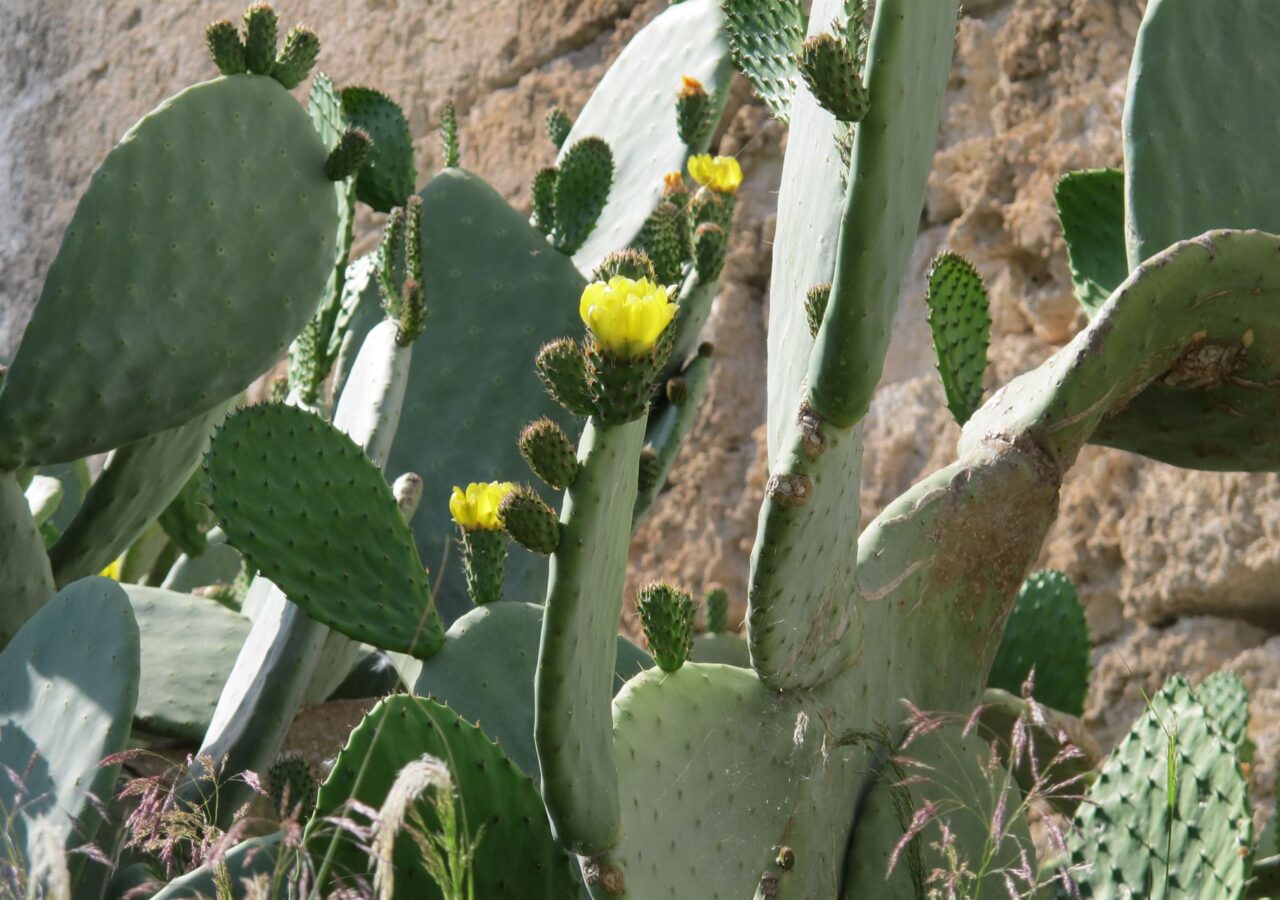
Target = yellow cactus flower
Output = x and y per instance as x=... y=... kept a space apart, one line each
x=113 y=571
x=721 y=173
x=691 y=87
x=626 y=317
x=477 y=507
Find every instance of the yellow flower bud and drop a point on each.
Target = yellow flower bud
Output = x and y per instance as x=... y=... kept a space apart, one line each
x=722 y=173
x=112 y=571
x=626 y=317
x=477 y=507
x=691 y=87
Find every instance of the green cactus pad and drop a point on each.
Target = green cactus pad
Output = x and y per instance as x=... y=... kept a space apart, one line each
x=1184 y=343
x=500 y=811
x=387 y=177
x=1226 y=701
x=68 y=683
x=1198 y=156
x=137 y=484
x=1131 y=839
x=1091 y=210
x=832 y=68
x=485 y=673
x=961 y=327
x=909 y=62
x=562 y=369
x=667 y=617
x=764 y=38
x=1046 y=631
x=572 y=726
x=662 y=239
x=25 y=576
x=449 y=135
x=583 y=182
x=558 y=125
x=496 y=294
x=198 y=251
x=684 y=39
x=184 y=519
x=189 y=645
x=292 y=491
x=543 y=198
x=705 y=797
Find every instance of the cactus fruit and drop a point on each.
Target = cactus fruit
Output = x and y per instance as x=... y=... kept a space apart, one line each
x=1046 y=632
x=387 y=175
x=1169 y=814
x=667 y=617
x=548 y=452
x=500 y=813
x=292 y=787
x=710 y=242
x=558 y=125
x=764 y=38
x=484 y=556
x=629 y=263
x=961 y=326
x=348 y=155
x=1091 y=210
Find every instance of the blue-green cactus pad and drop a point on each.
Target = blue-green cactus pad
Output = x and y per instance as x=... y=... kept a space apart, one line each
x=68 y=684
x=1199 y=148
x=1226 y=701
x=311 y=512
x=387 y=177
x=25 y=576
x=199 y=250
x=515 y=856
x=189 y=645
x=1129 y=840
x=484 y=673
x=1091 y=210
x=136 y=485
x=640 y=87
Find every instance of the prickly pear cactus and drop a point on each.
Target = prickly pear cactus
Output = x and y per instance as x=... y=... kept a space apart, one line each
x=961 y=326
x=1091 y=210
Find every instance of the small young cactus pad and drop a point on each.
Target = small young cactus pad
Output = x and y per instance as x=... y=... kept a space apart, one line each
x=667 y=616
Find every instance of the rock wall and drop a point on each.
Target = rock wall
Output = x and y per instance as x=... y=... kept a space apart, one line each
x=1178 y=569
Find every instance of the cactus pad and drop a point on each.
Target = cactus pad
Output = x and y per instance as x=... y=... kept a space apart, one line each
x=500 y=810
x=961 y=327
x=137 y=484
x=189 y=645
x=199 y=250
x=583 y=181
x=1091 y=209
x=68 y=683
x=304 y=505
x=667 y=616
x=1046 y=631
x=24 y=568
x=386 y=179
x=1131 y=838
x=1226 y=701
x=764 y=38
x=1197 y=153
